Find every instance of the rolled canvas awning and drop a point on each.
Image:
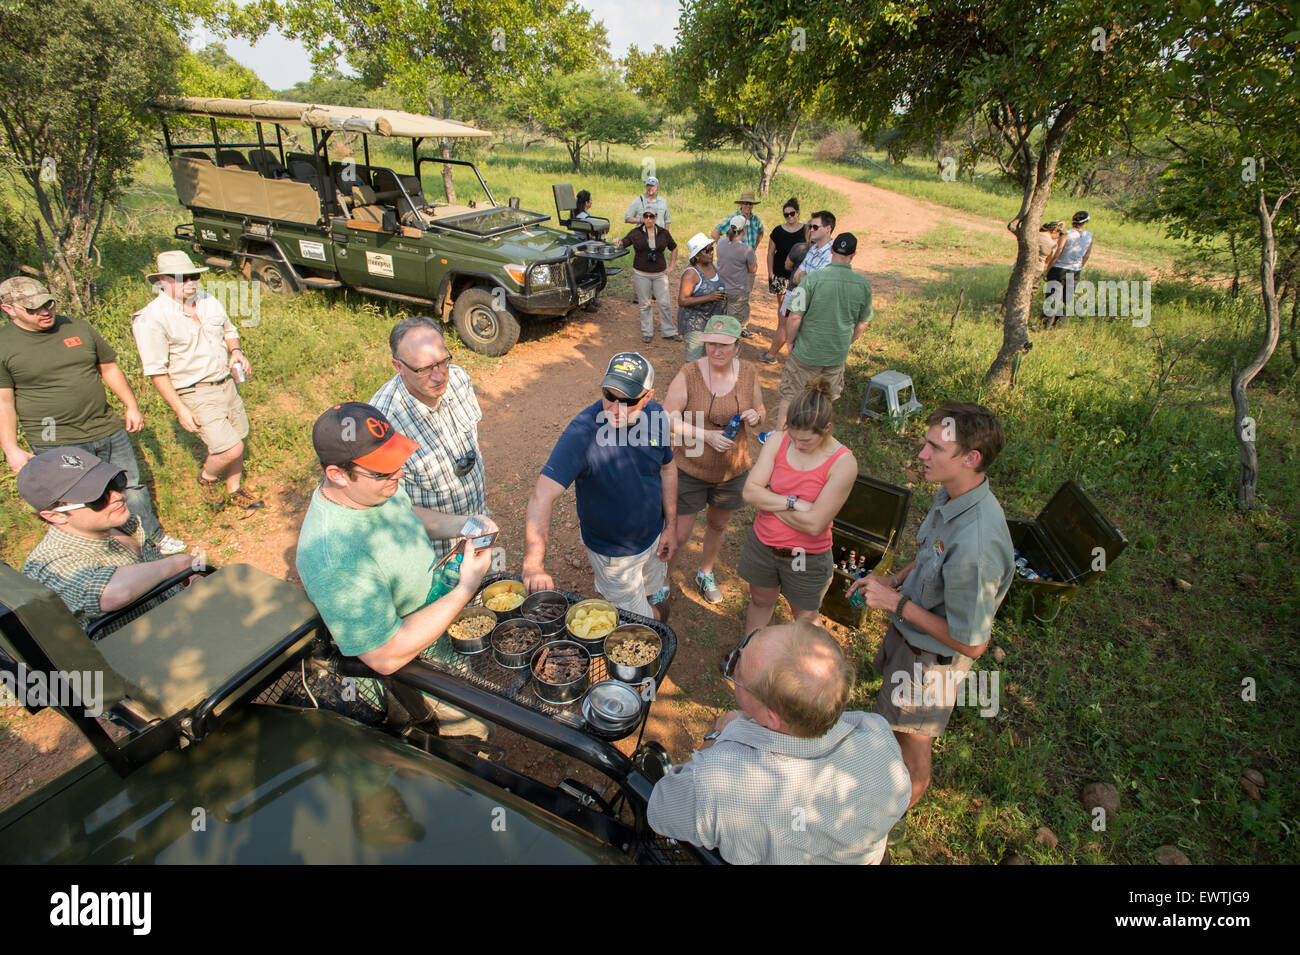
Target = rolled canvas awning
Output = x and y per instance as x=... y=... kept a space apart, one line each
x=379 y=122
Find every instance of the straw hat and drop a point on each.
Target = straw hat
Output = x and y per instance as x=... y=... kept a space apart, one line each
x=748 y=196
x=174 y=262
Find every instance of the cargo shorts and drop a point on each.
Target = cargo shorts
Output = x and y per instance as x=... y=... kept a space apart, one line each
x=918 y=692
x=219 y=410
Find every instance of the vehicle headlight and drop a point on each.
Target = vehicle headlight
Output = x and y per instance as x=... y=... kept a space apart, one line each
x=540 y=276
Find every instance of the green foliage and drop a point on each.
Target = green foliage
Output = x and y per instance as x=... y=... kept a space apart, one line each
x=648 y=74
x=579 y=108
x=335 y=90
x=78 y=76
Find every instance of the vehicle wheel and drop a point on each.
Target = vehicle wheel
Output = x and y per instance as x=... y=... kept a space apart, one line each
x=483 y=327
x=274 y=279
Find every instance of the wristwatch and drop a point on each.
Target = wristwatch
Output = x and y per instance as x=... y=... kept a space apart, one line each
x=789 y=502
x=712 y=735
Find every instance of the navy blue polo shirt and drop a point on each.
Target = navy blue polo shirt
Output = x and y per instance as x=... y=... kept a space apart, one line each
x=616 y=473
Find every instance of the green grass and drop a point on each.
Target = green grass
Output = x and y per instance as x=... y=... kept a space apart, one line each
x=1135 y=682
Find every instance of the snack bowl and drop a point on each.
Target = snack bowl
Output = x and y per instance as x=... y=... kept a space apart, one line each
x=593 y=644
x=505 y=587
x=557 y=690
x=612 y=706
x=533 y=609
x=471 y=645
x=517 y=659
x=627 y=672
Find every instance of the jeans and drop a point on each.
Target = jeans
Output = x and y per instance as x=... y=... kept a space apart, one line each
x=116 y=450
x=656 y=287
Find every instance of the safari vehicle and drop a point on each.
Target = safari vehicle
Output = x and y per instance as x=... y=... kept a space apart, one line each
x=295 y=219
x=237 y=740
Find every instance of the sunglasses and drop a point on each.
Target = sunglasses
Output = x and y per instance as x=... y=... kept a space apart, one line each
x=619 y=399
x=791 y=213
x=732 y=660
x=375 y=474
x=98 y=504
x=814 y=228
x=427 y=369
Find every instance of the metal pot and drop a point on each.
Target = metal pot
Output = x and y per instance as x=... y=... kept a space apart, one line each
x=549 y=627
x=504 y=587
x=612 y=706
x=522 y=659
x=623 y=671
x=561 y=692
x=594 y=644
x=473 y=644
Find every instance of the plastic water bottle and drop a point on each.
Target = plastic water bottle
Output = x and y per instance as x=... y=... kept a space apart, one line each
x=732 y=428
x=447 y=580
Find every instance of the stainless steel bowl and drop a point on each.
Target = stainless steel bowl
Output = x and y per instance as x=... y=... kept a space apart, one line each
x=501 y=587
x=475 y=644
x=594 y=644
x=549 y=627
x=624 y=672
x=561 y=693
x=612 y=706
x=522 y=659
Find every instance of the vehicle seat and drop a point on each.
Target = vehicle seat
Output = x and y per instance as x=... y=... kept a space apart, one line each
x=302 y=171
x=195 y=154
x=365 y=207
x=405 y=191
x=233 y=157
x=566 y=204
x=265 y=162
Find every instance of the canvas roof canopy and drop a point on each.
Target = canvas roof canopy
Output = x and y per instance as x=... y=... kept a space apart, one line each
x=378 y=122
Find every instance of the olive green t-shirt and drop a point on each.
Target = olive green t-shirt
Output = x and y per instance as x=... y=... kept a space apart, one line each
x=56 y=381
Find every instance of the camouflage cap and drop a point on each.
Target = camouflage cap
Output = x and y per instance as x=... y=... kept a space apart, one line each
x=24 y=292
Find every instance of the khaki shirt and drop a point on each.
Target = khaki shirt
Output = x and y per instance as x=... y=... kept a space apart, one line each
x=964 y=567
x=171 y=343
x=641 y=205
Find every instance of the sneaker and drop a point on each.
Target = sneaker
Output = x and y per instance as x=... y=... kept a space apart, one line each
x=767 y=358
x=746 y=333
x=708 y=586
x=214 y=491
x=167 y=546
x=659 y=599
x=242 y=498
x=647 y=339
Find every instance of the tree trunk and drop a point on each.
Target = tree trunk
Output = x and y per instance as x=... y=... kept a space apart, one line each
x=444 y=150
x=1243 y=424
x=575 y=154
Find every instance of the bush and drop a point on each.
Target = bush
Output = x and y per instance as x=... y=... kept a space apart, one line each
x=841 y=145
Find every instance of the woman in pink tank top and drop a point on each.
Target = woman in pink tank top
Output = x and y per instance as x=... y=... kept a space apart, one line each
x=801 y=480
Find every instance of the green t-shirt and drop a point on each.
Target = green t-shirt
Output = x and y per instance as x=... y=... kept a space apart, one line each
x=837 y=298
x=56 y=381
x=365 y=569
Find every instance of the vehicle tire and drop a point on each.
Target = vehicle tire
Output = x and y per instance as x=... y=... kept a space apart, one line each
x=274 y=278
x=483 y=327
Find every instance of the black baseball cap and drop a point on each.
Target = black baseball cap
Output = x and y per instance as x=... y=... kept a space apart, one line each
x=358 y=433
x=846 y=243
x=64 y=474
x=629 y=372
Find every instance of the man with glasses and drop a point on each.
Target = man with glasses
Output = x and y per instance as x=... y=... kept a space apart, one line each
x=52 y=376
x=95 y=554
x=821 y=229
x=617 y=452
x=650 y=201
x=788 y=776
x=190 y=349
x=432 y=402
x=365 y=554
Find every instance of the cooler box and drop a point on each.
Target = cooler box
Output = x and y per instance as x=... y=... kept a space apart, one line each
x=871 y=523
x=1071 y=542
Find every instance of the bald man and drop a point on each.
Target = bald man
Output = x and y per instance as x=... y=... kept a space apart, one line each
x=789 y=777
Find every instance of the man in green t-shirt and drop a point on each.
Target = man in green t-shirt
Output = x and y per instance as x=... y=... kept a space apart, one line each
x=364 y=555
x=52 y=376
x=828 y=310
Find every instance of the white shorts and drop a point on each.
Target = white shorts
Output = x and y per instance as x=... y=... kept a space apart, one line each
x=627 y=582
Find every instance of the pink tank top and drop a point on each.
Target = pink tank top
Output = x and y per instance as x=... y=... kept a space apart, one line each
x=785 y=481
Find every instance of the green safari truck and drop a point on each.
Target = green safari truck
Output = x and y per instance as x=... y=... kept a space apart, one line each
x=297 y=219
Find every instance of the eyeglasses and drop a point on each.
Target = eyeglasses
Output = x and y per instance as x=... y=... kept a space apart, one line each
x=619 y=399
x=732 y=660
x=375 y=474
x=427 y=369
x=98 y=504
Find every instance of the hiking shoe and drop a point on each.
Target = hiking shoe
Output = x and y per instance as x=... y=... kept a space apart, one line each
x=167 y=546
x=214 y=491
x=708 y=586
x=660 y=599
x=767 y=358
x=242 y=498
x=647 y=339
x=746 y=333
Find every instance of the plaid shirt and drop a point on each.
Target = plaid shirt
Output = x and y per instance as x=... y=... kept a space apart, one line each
x=444 y=435
x=753 y=233
x=760 y=796
x=79 y=568
x=818 y=257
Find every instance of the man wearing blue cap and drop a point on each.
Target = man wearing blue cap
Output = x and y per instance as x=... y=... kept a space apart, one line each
x=651 y=201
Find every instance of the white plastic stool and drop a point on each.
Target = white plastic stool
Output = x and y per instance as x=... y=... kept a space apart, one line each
x=890 y=394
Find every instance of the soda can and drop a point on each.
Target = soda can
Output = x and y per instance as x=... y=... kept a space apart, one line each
x=238 y=372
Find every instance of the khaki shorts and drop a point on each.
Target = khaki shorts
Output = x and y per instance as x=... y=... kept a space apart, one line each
x=693 y=495
x=804 y=579
x=219 y=412
x=628 y=582
x=918 y=693
x=796 y=376
x=737 y=306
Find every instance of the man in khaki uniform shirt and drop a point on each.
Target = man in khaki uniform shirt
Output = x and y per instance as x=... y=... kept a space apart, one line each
x=190 y=349
x=944 y=601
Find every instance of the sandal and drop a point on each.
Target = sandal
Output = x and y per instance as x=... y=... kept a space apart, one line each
x=767 y=358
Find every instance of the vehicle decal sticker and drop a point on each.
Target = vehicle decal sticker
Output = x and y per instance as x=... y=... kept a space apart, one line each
x=312 y=250
x=377 y=263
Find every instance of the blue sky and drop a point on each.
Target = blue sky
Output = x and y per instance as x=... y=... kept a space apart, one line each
x=281 y=62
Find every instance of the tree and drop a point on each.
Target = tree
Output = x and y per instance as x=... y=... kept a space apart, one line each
x=1234 y=85
x=78 y=76
x=734 y=67
x=1047 y=81
x=580 y=108
x=445 y=56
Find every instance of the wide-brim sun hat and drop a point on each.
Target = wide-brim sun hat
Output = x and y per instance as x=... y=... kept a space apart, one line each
x=748 y=196
x=697 y=244
x=175 y=262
